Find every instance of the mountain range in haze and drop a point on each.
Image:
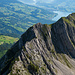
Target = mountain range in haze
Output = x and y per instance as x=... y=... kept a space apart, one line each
x=60 y=5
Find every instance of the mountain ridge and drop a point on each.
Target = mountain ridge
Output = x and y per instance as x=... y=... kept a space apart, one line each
x=43 y=49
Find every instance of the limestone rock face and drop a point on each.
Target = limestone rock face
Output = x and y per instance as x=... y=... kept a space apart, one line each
x=43 y=50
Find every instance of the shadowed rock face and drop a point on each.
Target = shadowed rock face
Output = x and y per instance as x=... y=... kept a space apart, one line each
x=43 y=50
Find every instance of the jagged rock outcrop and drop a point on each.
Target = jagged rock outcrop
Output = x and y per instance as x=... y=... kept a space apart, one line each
x=43 y=50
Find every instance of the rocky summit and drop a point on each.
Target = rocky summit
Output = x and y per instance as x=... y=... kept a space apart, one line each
x=43 y=50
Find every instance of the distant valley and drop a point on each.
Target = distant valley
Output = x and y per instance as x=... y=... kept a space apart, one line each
x=16 y=17
x=62 y=8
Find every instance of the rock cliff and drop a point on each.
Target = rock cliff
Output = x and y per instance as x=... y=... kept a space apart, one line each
x=43 y=50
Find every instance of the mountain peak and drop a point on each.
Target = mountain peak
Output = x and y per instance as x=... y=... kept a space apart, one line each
x=43 y=49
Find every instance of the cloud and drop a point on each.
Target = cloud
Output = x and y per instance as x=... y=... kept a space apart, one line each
x=34 y=0
x=47 y=1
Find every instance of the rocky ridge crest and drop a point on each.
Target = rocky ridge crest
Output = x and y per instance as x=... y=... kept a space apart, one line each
x=43 y=50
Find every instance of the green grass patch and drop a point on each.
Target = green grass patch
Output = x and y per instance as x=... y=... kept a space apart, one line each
x=5 y=43
x=7 y=39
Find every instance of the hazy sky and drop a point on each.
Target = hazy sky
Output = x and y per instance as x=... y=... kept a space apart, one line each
x=34 y=1
x=44 y=0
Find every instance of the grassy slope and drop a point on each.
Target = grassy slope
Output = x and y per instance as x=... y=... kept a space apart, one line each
x=5 y=43
x=7 y=39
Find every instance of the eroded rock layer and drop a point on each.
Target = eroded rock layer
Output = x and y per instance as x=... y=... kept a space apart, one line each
x=43 y=50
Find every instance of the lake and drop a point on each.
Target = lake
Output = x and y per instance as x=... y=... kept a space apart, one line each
x=60 y=14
